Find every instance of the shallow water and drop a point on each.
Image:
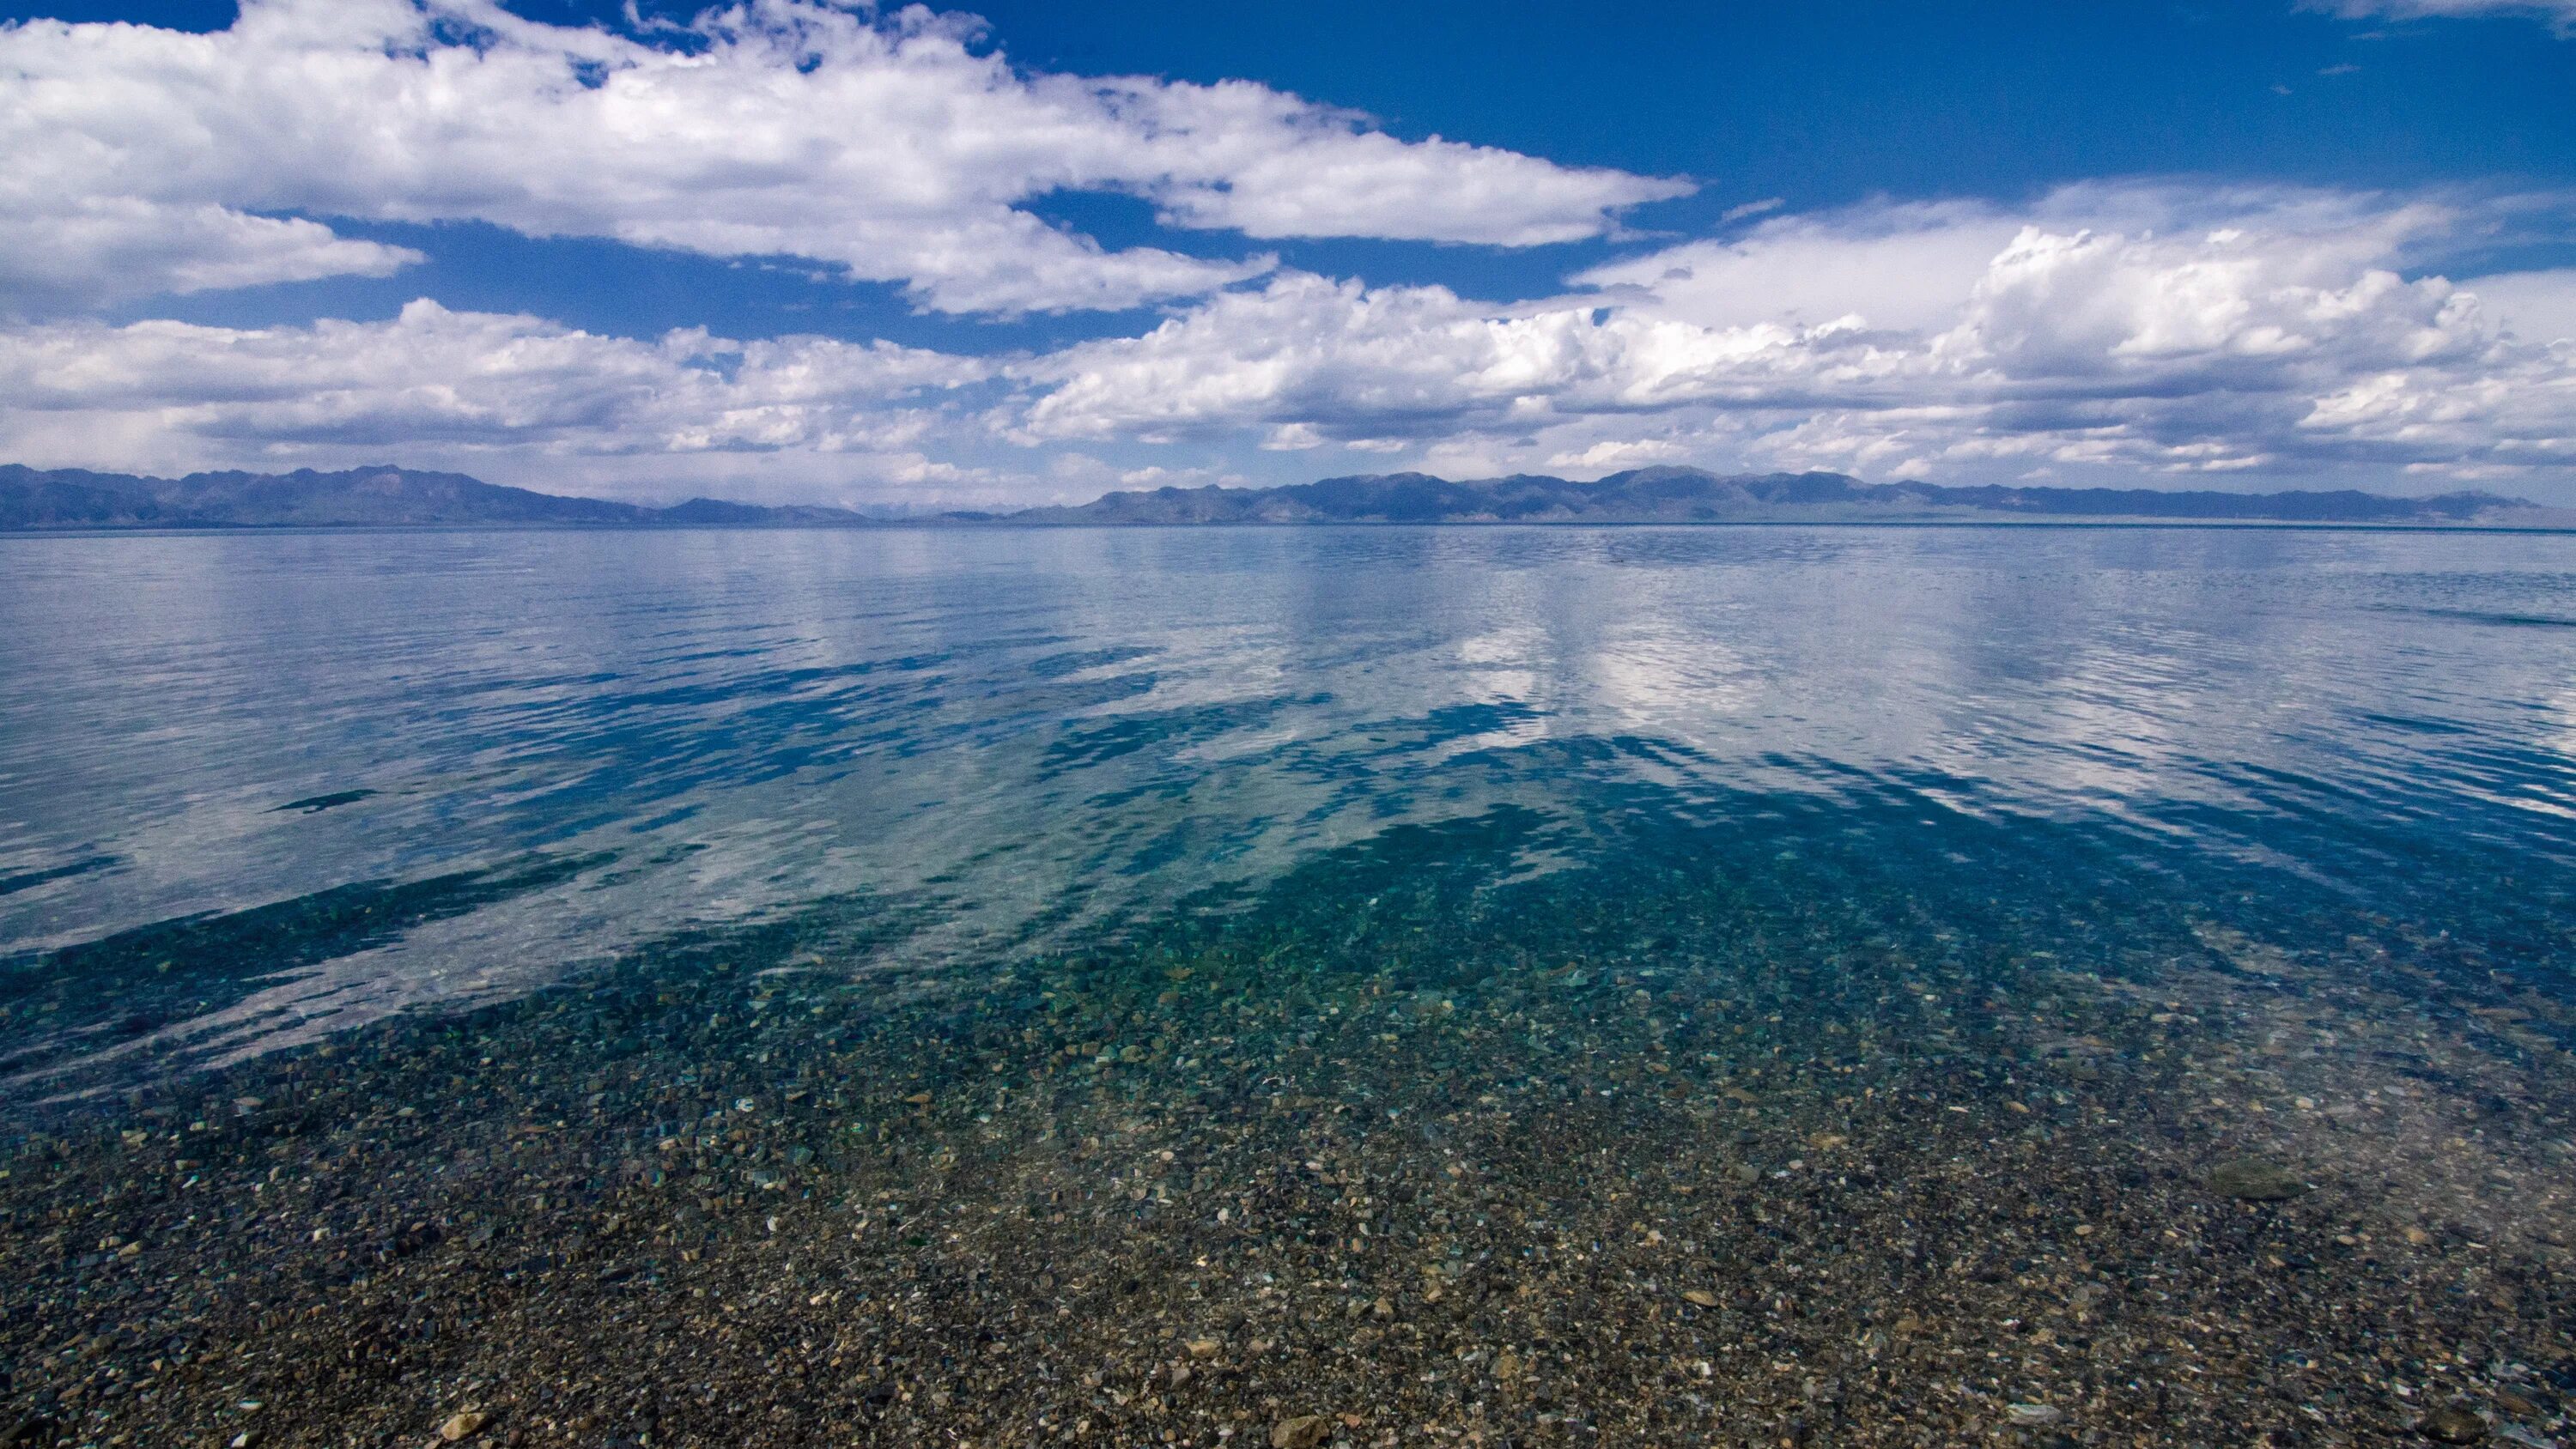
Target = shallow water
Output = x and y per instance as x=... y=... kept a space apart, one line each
x=1953 y=895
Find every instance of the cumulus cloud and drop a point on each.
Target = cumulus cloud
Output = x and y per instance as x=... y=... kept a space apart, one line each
x=459 y=384
x=1316 y=360
x=2106 y=332
x=1890 y=265
x=106 y=249
x=884 y=145
x=2190 y=332
x=1913 y=264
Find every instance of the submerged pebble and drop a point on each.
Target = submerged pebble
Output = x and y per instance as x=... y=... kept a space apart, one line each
x=2255 y=1180
x=2451 y=1424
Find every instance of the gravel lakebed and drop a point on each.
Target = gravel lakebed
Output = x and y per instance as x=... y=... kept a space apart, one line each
x=1552 y=1161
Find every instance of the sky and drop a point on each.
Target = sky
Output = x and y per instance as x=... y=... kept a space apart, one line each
x=799 y=251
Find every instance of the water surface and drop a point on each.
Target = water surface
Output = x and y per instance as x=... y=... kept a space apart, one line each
x=1388 y=986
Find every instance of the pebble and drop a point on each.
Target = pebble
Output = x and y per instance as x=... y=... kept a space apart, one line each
x=2254 y=1180
x=1303 y=1432
x=2451 y=1424
x=463 y=1425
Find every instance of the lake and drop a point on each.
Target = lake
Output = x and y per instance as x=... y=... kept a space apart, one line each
x=1485 y=984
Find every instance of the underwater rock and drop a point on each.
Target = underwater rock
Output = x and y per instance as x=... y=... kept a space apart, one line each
x=1303 y=1432
x=2251 y=1179
x=2451 y=1424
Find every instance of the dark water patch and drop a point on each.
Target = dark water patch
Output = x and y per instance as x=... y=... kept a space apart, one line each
x=141 y=980
x=2497 y=618
x=315 y=804
x=2415 y=724
x=1452 y=723
x=1086 y=744
x=28 y=880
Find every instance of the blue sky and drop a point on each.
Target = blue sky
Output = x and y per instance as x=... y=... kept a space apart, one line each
x=806 y=252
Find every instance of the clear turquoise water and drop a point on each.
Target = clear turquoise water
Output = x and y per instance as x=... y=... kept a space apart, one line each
x=255 y=789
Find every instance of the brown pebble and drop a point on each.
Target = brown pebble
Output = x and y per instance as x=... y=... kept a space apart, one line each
x=463 y=1425
x=2451 y=1424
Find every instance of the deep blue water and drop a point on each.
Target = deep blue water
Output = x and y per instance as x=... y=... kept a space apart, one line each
x=259 y=787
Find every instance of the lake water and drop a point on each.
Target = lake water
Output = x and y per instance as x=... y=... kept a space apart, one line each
x=524 y=752
x=2142 y=849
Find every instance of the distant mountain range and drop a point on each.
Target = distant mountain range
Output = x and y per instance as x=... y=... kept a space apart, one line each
x=1692 y=495
x=77 y=498
x=386 y=496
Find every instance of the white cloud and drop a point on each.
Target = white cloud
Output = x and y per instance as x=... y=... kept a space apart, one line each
x=2560 y=13
x=1891 y=266
x=884 y=145
x=1335 y=360
x=2534 y=306
x=99 y=249
x=2111 y=333
x=1612 y=455
x=1913 y=264
x=2214 y=333
x=2057 y=311
x=460 y=385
